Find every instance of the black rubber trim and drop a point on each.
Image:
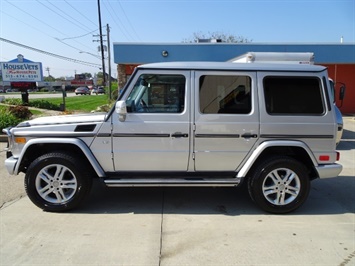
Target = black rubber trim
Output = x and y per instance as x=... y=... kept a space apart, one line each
x=217 y=136
x=140 y=135
x=297 y=136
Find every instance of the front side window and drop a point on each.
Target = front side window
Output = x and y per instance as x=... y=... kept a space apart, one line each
x=293 y=95
x=155 y=93
x=225 y=94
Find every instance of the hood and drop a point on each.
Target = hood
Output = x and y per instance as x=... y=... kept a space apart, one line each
x=65 y=119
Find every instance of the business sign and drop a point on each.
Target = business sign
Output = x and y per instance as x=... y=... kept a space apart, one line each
x=26 y=72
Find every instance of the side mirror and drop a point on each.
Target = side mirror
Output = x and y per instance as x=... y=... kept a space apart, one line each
x=342 y=93
x=121 y=110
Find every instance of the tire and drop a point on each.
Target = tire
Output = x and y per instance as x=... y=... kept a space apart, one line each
x=279 y=184
x=57 y=182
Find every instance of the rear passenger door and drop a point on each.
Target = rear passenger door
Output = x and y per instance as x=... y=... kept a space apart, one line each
x=226 y=119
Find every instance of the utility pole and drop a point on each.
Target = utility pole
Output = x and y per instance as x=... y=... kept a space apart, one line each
x=109 y=61
x=47 y=69
x=101 y=44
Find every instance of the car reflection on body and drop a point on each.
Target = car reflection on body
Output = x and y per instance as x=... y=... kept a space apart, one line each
x=82 y=91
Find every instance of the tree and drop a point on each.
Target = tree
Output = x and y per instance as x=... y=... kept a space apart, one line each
x=87 y=75
x=49 y=78
x=100 y=75
x=224 y=37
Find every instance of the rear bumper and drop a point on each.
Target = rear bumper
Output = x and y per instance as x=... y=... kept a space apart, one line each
x=329 y=170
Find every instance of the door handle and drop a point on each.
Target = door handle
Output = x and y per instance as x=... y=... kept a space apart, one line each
x=179 y=135
x=249 y=135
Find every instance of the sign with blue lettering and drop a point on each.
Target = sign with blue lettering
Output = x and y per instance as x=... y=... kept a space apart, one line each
x=26 y=71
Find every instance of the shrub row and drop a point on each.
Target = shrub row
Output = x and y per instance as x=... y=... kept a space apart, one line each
x=43 y=104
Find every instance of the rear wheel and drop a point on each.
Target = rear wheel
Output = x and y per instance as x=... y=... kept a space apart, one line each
x=279 y=184
x=57 y=182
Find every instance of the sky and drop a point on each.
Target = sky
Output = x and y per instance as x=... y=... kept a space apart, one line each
x=62 y=34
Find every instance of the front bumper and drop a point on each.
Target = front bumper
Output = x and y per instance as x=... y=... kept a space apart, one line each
x=10 y=164
x=329 y=170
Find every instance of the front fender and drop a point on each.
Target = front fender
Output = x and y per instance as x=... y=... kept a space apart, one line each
x=73 y=141
x=273 y=143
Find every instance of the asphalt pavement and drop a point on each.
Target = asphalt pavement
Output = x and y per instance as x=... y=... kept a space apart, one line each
x=182 y=226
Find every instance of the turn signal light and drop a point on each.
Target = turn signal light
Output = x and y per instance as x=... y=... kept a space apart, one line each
x=20 y=140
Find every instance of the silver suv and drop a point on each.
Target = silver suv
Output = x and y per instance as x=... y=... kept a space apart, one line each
x=270 y=126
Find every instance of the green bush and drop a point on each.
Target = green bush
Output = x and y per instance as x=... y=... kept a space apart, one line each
x=13 y=101
x=43 y=105
x=7 y=119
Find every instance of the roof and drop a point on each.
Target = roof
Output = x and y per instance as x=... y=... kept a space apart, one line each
x=138 y=53
x=17 y=61
x=232 y=66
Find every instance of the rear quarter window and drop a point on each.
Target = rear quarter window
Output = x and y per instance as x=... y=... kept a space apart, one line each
x=293 y=95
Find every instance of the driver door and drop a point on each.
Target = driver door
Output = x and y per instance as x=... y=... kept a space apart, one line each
x=155 y=135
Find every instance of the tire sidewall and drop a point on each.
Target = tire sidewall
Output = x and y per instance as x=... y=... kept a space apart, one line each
x=257 y=179
x=83 y=182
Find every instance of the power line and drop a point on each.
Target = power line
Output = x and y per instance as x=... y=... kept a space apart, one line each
x=43 y=32
x=129 y=22
x=123 y=29
x=76 y=37
x=51 y=54
x=79 y=12
x=31 y=26
x=69 y=18
x=45 y=23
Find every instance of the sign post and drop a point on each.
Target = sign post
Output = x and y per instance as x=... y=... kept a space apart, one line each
x=62 y=106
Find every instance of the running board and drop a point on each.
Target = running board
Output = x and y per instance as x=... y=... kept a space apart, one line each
x=172 y=182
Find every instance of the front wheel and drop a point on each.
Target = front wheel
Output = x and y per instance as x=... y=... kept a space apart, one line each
x=279 y=184
x=57 y=182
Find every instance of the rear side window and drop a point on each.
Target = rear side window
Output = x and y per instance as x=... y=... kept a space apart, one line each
x=228 y=94
x=293 y=95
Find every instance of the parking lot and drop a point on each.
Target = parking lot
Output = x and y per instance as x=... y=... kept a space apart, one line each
x=182 y=226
